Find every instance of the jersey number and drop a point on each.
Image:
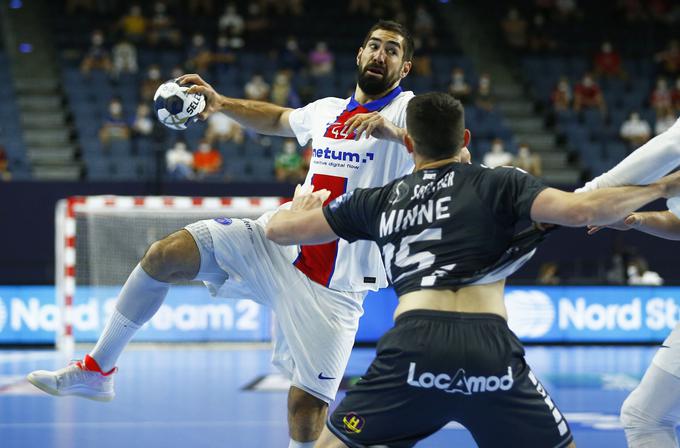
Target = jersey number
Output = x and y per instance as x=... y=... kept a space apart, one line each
x=404 y=258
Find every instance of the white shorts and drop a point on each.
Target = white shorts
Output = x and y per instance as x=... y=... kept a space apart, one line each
x=667 y=357
x=315 y=326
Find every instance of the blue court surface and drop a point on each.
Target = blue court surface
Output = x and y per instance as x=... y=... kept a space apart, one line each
x=219 y=396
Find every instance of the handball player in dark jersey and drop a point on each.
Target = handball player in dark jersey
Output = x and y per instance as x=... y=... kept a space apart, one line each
x=447 y=234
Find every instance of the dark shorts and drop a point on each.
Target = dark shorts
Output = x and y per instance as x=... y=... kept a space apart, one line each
x=434 y=367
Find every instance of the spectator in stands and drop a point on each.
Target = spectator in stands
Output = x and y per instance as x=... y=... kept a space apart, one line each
x=162 y=30
x=291 y=57
x=669 y=59
x=548 y=274
x=143 y=123
x=134 y=24
x=422 y=61
x=539 y=36
x=664 y=122
x=124 y=58
x=257 y=88
x=283 y=92
x=497 y=156
x=588 y=95
x=150 y=84
x=199 y=56
x=361 y=7
x=561 y=96
x=423 y=26
x=73 y=6
x=567 y=10
x=97 y=57
x=179 y=162
x=531 y=163
x=115 y=126
x=224 y=55
x=5 y=175
x=257 y=21
x=223 y=129
x=633 y=10
x=661 y=99
x=635 y=131
x=639 y=273
x=231 y=25
x=607 y=62
x=207 y=160
x=515 y=29
x=289 y=165
x=484 y=95
x=176 y=71
x=675 y=96
x=321 y=60
x=458 y=87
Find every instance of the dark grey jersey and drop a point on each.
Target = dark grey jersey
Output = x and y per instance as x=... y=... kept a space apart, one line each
x=441 y=228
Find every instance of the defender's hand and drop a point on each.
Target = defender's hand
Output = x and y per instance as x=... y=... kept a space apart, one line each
x=374 y=124
x=307 y=199
x=201 y=87
x=630 y=222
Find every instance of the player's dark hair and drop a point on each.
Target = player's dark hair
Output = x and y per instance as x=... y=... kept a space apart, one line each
x=398 y=28
x=436 y=123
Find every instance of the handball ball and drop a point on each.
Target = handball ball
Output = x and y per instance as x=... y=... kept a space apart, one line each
x=175 y=107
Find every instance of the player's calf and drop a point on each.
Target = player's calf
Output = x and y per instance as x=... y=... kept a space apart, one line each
x=306 y=415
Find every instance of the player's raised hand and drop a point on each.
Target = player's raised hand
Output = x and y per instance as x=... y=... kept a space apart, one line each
x=630 y=222
x=203 y=88
x=305 y=198
x=373 y=124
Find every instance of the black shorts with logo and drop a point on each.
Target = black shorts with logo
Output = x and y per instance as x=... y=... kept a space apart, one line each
x=434 y=367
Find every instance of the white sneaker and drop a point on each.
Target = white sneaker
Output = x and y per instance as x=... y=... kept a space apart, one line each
x=81 y=378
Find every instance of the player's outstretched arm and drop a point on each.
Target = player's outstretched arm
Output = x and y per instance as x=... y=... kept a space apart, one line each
x=304 y=223
x=661 y=224
x=262 y=117
x=599 y=207
x=646 y=164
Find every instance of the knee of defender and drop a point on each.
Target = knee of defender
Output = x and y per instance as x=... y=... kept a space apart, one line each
x=632 y=418
x=172 y=259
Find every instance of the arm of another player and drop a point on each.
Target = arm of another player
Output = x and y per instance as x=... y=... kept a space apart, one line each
x=264 y=118
x=304 y=223
x=646 y=164
x=599 y=207
x=661 y=224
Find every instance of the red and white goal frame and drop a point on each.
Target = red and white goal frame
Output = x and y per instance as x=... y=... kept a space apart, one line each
x=65 y=241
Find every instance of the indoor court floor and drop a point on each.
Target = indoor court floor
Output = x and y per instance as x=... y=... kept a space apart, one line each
x=173 y=396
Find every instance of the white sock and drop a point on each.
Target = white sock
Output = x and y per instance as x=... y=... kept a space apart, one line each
x=654 y=159
x=651 y=412
x=294 y=444
x=116 y=335
x=137 y=302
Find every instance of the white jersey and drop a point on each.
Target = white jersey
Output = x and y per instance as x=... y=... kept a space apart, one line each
x=339 y=164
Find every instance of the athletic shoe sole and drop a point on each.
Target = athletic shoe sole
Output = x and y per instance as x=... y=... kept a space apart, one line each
x=83 y=393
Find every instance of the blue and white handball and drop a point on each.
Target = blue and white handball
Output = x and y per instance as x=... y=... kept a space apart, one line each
x=174 y=107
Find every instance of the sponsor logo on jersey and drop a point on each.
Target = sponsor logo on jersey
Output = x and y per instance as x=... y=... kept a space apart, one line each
x=399 y=192
x=459 y=382
x=353 y=422
x=224 y=221
x=342 y=156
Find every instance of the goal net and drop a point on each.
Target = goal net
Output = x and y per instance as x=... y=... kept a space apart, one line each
x=100 y=239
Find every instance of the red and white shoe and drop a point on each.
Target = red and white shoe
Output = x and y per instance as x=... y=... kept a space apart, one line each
x=80 y=378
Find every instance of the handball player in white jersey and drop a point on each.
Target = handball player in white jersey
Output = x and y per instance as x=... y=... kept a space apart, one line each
x=652 y=411
x=316 y=292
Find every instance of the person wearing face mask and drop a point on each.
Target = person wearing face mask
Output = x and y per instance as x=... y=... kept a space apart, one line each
x=150 y=84
x=97 y=57
x=179 y=162
x=207 y=160
x=115 y=126
x=588 y=95
x=316 y=292
x=607 y=62
x=635 y=131
x=498 y=156
x=289 y=165
x=224 y=55
x=458 y=87
x=199 y=55
x=484 y=95
x=525 y=160
x=561 y=96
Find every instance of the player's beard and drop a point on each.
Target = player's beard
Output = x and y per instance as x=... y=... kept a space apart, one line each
x=374 y=85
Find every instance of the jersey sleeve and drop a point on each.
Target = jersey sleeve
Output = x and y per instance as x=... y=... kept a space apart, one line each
x=353 y=215
x=302 y=121
x=516 y=189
